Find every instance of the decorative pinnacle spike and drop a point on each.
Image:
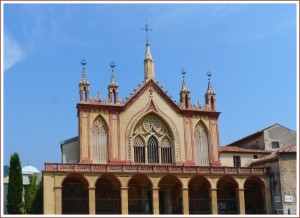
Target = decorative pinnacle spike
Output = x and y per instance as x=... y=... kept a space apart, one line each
x=209 y=74
x=83 y=63
x=183 y=71
x=112 y=65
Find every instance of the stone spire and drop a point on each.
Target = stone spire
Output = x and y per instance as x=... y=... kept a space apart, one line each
x=84 y=85
x=113 y=86
x=185 y=98
x=148 y=62
x=210 y=95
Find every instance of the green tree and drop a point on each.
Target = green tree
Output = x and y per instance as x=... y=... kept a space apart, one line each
x=30 y=194
x=38 y=203
x=15 y=186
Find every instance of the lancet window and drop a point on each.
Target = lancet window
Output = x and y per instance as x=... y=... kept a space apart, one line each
x=201 y=141
x=152 y=142
x=99 y=141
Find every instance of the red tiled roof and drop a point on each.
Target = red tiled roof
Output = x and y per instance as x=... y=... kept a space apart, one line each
x=274 y=156
x=291 y=148
x=235 y=149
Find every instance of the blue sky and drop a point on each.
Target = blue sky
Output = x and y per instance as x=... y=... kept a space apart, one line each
x=249 y=48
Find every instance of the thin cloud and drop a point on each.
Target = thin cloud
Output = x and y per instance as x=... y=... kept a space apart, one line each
x=13 y=52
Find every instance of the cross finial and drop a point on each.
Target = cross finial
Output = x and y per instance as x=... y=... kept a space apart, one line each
x=83 y=63
x=147 y=29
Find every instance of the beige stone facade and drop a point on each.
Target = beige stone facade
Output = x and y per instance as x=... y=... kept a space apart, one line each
x=148 y=154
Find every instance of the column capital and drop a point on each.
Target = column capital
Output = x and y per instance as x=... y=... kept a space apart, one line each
x=240 y=189
x=155 y=188
x=124 y=188
x=92 y=188
x=57 y=187
x=185 y=188
x=214 y=189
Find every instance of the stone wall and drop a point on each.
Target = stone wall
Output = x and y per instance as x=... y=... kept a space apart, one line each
x=287 y=165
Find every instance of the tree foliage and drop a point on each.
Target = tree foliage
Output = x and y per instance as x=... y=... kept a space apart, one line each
x=30 y=193
x=15 y=186
x=38 y=203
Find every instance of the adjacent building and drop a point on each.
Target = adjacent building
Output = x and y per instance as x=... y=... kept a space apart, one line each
x=273 y=147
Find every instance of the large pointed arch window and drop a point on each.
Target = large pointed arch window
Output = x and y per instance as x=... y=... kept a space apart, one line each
x=99 y=141
x=201 y=141
x=153 y=142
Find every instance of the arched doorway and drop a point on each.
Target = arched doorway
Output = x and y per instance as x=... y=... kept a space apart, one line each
x=108 y=195
x=75 y=195
x=139 y=195
x=227 y=197
x=254 y=201
x=170 y=195
x=199 y=201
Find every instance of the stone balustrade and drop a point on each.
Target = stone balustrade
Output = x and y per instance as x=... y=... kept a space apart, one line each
x=130 y=168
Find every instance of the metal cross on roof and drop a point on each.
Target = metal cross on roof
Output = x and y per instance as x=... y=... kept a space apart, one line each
x=147 y=29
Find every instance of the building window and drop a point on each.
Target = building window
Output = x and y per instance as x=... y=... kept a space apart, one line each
x=152 y=150
x=99 y=143
x=275 y=144
x=255 y=156
x=153 y=142
x=236 y=161
x=201 y=141
x=139 y=150
x=166 y=151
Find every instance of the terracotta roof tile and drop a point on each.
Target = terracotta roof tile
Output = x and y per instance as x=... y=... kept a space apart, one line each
x=291 y=148
x=235 y=149
x=274 y=156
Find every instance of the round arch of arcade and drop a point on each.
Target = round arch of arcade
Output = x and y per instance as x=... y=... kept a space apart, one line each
x=164 y=194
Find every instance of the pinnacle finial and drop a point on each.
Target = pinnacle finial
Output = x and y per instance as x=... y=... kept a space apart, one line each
x=209 y=76
x=183 y=72
x=83 y=63
x=113 y=65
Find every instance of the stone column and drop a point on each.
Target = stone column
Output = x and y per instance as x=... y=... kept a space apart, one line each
x=155 y=200
x=124 y=200
x=58 y=199
x=92 y=200
x=241 y=200
x=185 y=200
x=213 y=201
x=267 y=198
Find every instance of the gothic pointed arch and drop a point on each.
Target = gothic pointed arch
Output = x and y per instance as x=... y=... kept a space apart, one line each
x=153 y=141
x=99 y=141
x=164 y=123
x=201 y=145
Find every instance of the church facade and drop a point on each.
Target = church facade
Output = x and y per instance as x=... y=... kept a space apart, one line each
x=148 y=154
